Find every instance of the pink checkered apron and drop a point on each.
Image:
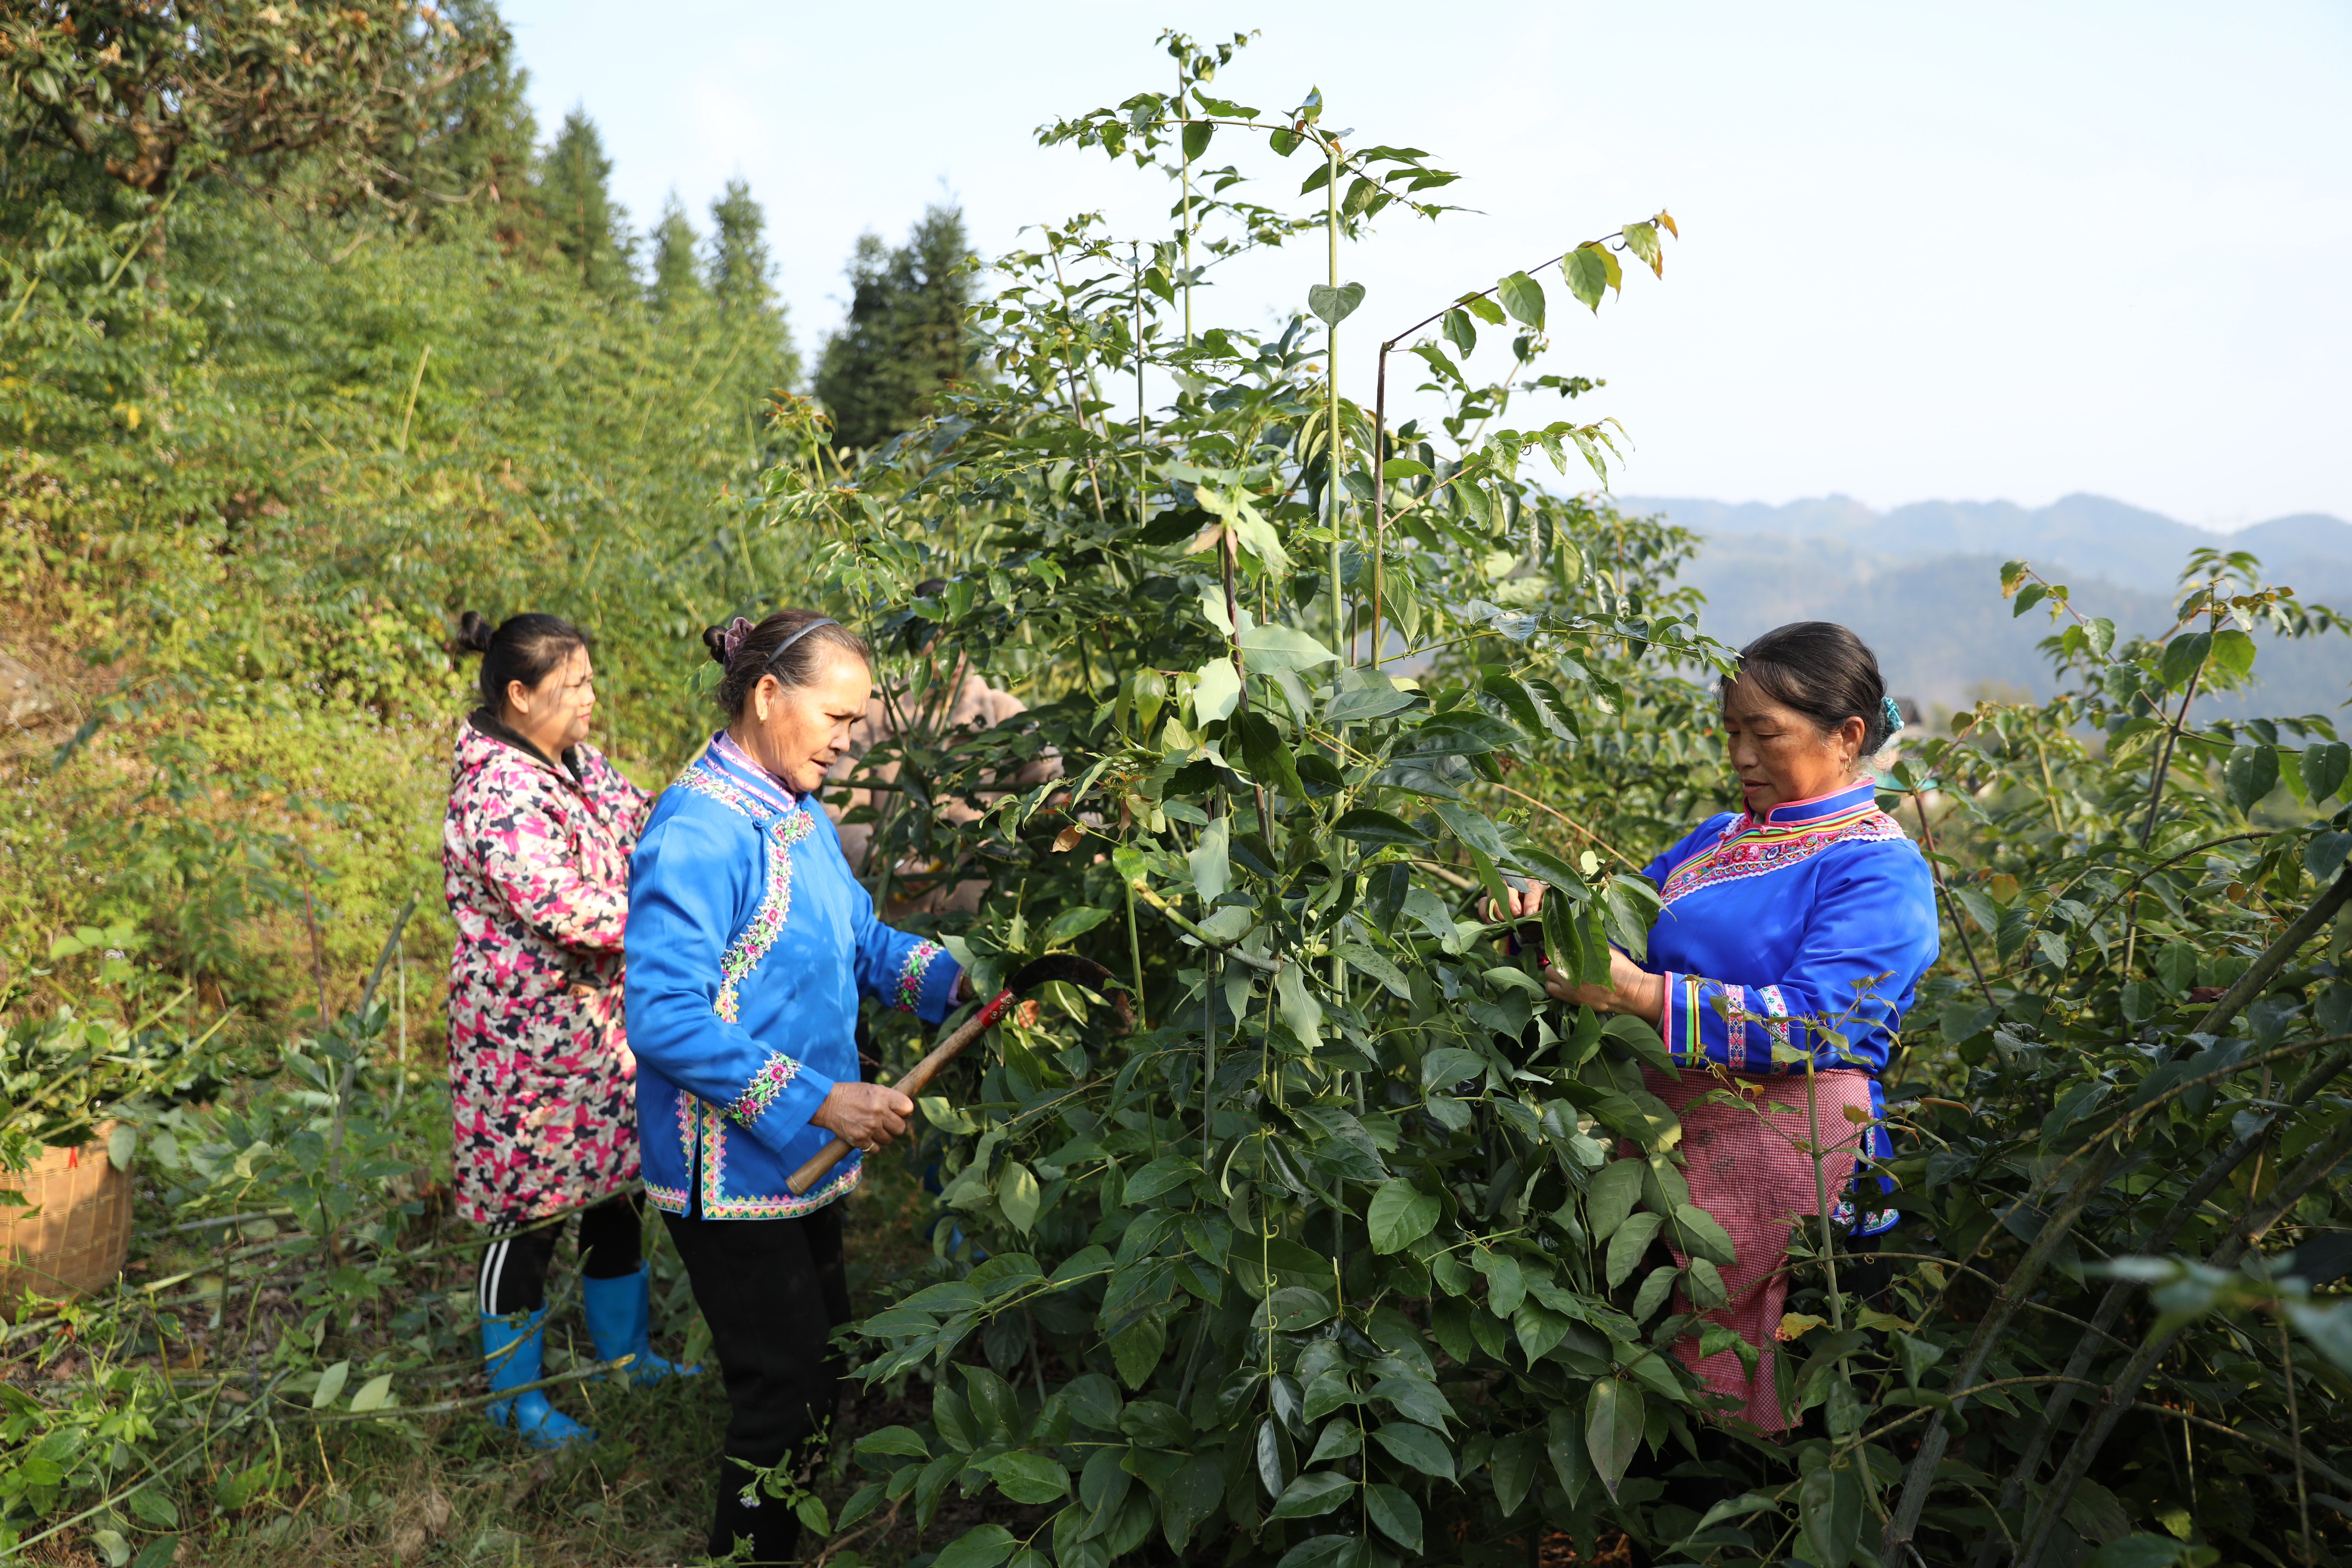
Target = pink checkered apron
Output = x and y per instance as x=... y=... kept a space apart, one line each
x=1749 y=1168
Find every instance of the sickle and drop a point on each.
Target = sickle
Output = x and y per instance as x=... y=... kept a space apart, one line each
x=1028 y=977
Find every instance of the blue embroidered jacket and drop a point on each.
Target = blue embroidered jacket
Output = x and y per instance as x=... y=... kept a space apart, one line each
x=749 y=944
x=1819 y=919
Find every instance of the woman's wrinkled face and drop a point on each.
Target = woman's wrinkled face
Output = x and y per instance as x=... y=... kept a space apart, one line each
x=797 y=732
x=553 y=715
x=1779 y=754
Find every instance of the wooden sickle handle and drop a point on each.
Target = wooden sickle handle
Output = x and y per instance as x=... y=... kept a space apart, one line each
x=826 y=1158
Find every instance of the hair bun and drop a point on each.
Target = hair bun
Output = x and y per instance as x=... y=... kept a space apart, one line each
x=715 y=639
x=473 y=633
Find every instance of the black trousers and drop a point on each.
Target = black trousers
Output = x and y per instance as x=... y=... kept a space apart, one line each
x=514 y=1267
x=772 y=1291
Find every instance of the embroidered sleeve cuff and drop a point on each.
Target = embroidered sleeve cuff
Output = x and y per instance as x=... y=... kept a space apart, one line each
x=925 y=984
x=1705 y=1020
x=778 y=1102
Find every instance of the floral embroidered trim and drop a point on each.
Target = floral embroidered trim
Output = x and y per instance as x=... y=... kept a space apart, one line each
x=767 y=923
x=911 y=973
x=717 y=1204
x=1735 y=1026
x=712 y=786
x=767 y=1083
x=1749 y=849
x=669 y=1200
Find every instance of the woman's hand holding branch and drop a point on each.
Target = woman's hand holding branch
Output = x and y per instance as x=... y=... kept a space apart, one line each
x=1631 y=988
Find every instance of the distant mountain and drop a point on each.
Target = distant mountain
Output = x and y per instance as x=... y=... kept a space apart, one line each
x=1922 y=583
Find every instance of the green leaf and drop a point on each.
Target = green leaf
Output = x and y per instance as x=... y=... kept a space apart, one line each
x=1626 y=1247
x=2324 y=769
x=1029 y=1477
x=1297 y=1007
x=1315 y=1493
x=1612 y=1195
x=1653 y=1291
x=1459 y=331
x=331 y=1384
x=375 y=1393
x=1641 y=239
x=1702 y=1236
x=2028 y=596
x=1263 y=752
x=2250 y=775
x=1538 y=1329
x=1523 y=296
x=2184 y=656
x=903 y=1441
x=982 y=1546
x=1613 y=1429
x=1369 y=824
x=1394 y=1514
x=1449 y=1065
x=1587 y=270
x=2101 y=635
x=158 y=1552
x=1016 y=1194
x=1212 y=871
x=1364 y=960
x=2325 y=853
x=1270 y=646
x=1189 y=1498
x=1411 y=1443
x=1165 y=1174
x=1197 y=133
x=1514 y=1470
x=1830 y=1504
x=2233 y=650
x=150 y=1504
x=1325 y=1552
x=1637 y=1036
x=1072 y=924
x=1295 y=1309
x=1333 y=306
x=1399 y=1214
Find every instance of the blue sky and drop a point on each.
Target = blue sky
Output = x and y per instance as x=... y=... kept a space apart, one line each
x=1993 y=251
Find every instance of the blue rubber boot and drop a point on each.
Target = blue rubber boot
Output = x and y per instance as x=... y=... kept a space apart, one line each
x=511 y=1346
x=619 y=1315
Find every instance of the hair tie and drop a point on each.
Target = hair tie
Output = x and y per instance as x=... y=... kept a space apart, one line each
x=1886 y=705
x=732 y=638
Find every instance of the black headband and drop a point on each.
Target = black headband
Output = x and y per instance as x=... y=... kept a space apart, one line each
x=785 y=647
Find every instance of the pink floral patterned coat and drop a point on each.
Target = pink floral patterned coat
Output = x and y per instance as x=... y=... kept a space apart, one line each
x=536 y=865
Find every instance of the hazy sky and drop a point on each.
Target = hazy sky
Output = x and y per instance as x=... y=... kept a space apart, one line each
x=1958 y=252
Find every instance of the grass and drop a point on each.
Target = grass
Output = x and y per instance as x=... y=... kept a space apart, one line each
x=450 y=1488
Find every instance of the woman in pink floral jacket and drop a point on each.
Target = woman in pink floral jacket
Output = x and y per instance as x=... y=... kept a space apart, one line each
x=535 y=856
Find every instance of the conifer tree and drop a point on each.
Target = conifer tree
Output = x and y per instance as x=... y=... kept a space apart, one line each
x=742 y=279
x=588 y=226
x=903 y=344
x=676 y=264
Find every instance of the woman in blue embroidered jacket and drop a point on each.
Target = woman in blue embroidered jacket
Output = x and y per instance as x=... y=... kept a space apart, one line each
x=1802 y=925
x=749 y=946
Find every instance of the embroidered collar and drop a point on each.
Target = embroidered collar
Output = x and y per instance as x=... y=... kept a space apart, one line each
x=737 y=765
x=1821 y=807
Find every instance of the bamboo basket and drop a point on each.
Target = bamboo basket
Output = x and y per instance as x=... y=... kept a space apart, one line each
x=76 y=1242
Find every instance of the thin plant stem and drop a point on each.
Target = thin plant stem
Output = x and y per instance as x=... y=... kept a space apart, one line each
x=1927 y=834
x=2294 y=1428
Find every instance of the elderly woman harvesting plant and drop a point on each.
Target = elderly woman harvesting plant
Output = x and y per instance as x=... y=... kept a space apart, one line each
x=535 y=854
x=1803 y=921
x=749 y=944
